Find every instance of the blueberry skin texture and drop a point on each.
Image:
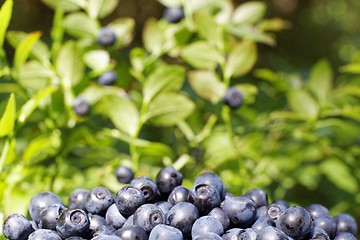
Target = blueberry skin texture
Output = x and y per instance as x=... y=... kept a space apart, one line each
x=17 y=227
x=95 y=221
x=207 y=236
x=316 y=233
x=261 y=223
x=346 y=223
x=41 y=201
x=327 y=223
x=107 y=78
x=131 y=233
x=99 y=200
x=271 y=233
x=344 y=236
x=81 y=106
x=167 y=179
x=73 y=222
x=128 y=199
x=42 y=234
x=295 y=222
x=178 y=194
x=165 y=232
x=182 y=216
x=50 y=215
x=148 y=216
x=106 y=36
x=77 y=198
x=106 y=237
x=239 y=233
x=233 y=98
x=317 y=210
x=164 y=207
x=214 y=180
x=241 y=210
x=259 y=197
x=173 y=14
x=261 y=211
x=124 y=174
x=114 y=218
x=222 y=216
x=147 y=186
x=205 y=197
x=206 y=224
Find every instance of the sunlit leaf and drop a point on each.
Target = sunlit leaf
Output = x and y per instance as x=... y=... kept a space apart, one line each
x=253 y=33
x=301 y=102
x=101 y=8
x=5 y=16
x=123 y=28
x=320 y=82
x=35 y=76
x=66 y=5
x=7 y=121
x=153 y=36
x=351 y=68
x=208 y=28
x=249 y=12
x=80 y=25
x=23 y=50
x=97 y=59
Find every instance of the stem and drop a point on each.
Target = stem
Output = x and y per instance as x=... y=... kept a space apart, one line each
x=4 y=153
x=57 y=32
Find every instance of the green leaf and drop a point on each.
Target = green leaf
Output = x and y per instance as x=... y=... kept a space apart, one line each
x=153 y=37
x=207 y=85
x=351 y=68
x=23 y=50
x=69 y=64
x=301 y=102
x=7 y=120
x=201 y=55
x=66 y=5
x=340 y=175
x=97 y=59
x=101 y=8
x=242 y=59
x=252 y=33
x=164 y=78
x=168 y=108
x=5 y=16
x=122 y=112
x=208 y=28
x=35 y=76
x=123 y=28
x=249 y=92
x=80 y=25
x=249 y=12
x=34 y=102
x=320 y=82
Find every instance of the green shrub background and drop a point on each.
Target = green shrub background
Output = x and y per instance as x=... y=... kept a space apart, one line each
x=297 y=135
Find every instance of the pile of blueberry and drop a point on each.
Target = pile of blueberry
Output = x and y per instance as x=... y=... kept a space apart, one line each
x=163 y=209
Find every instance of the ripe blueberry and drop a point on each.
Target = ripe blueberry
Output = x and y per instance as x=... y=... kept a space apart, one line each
x=128 y=199
x=106 y=36
x=148 y=216
x=233 y=98
x=41 y=201
x=77 y=198
x=17 y=227
x=107 y=78
x=167 y=179
x=124 y=174
x=173 y=14
x=81 y=106
x=98 y=200
x=73 y=222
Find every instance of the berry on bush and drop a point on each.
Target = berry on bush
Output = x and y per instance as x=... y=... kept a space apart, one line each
x=81 y=106
x=233 y=98
x=173 y=14
x=107 y=78
x=106 y=36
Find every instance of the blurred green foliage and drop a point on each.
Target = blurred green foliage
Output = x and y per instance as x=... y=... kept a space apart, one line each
x=296 y=136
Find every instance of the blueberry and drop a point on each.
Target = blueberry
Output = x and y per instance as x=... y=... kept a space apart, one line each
x=259 y=197
x=167 y=179
x=50 y=215
x=233 y=98
x=164 y=207
x=98 y=200
x=147 y=186
x=182 y=216
x=131 y=233
x=46 y=234
x=114 y=218
x=81 y=106
x=295 y=221
x=316 y=233
x=261 y=211
x=128 y=199
x=107 y=78
x=205 y=197
x=95 y=222
x=106 y=36
x=73 y=222
x=165 y=232
x=344 y=236
x=124 y=174
x=103 y=230
x=271 y=233
x=222 y=216
x=75 y=238
x=327 y=223
x=129 y=221
x=346 y=223
x=41 y=201
x=173 y=14
x=77 y=198
x=274 y=210
x=239 y=233
x=241 y=210
x=214 y=180
x=261 y=223
x=106 y=237
x=317 y=210
x=148 y=216
x=282 y=202
x=178 y=194
x=17 y=227
x=207 y=236
x=206 y=224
